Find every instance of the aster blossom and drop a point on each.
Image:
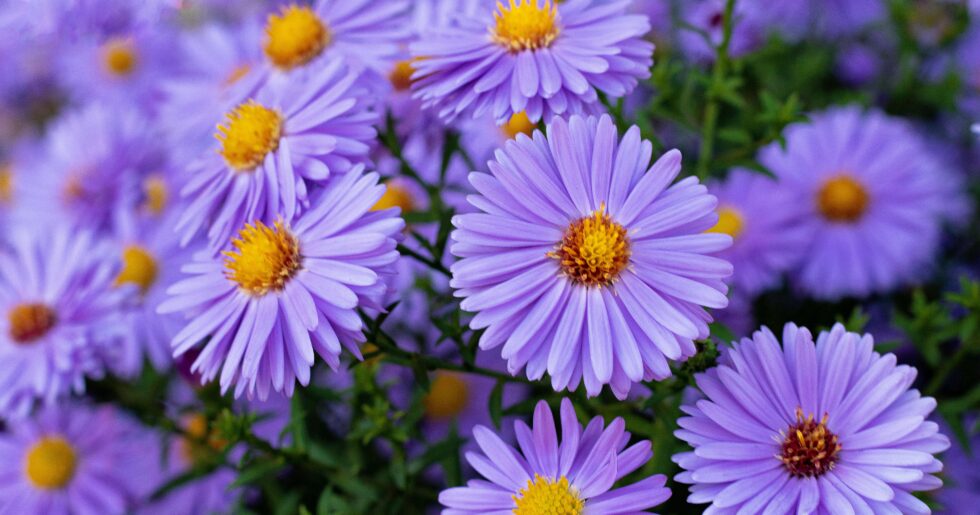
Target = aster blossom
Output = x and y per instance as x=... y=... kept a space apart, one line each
x=831 y=427
x=872 y=196
x=767 y=236
x=298 y=37
x=287 y=291
x=573 y=476
x=55 y=463
x=545 y=58
x=61 y=315
x=584 y=261
x=272 y=149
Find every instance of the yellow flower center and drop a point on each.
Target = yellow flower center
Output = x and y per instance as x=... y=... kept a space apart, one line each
x=155 y=195
x=264 y=258
x=594 y=250
x=447 y=396
x=730 y=222
x=200 y=445
x=30 y=322
x=842 y=199
x=139 y=268
x=396 y=195
x=51 y=463
x=119 y=57
x=546 y=497
x=6 y=184
x=809 y=449
x=249 y=133
x=401 y=75
x=519 y=123
x=295 y=37
x=525 y=26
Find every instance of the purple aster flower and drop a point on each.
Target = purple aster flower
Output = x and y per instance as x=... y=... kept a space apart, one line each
x=151 y=261
x=75 y=459
x=961 y=473
x=290 y=290
x=61 y=314
x=873 y=199
x=271 y=150
x=575 y=475
x=363 y=33
x=708 y=16
x=542 y=58
x=762 y=219
x=585 y=261
x=830 y=427
x=90 y=168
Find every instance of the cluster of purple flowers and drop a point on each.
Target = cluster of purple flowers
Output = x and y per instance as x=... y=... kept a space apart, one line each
x=221 y=200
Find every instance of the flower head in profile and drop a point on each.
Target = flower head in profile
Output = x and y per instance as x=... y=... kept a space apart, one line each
x=273 y=149
x=585 y=261
x=830 y=427
x=284 y=292
x=60 y=314
x=872 y=196
x=767 y=236
x=74 y=458
x=543 y=57
x=360 y=32
x=574 y=476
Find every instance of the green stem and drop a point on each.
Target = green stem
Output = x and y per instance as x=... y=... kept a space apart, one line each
x=712 y=108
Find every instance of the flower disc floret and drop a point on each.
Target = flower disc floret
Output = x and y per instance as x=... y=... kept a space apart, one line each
x=295 y=37
x=250 y=132
x=264 y=258
x=525 y=25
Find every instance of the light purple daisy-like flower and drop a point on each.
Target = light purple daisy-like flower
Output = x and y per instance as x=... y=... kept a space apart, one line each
x=873 y=198
x=961 y=473
x=363 y=33
x=543 y=58
x=286 y=292
x=765 y=226
x=585 y=261
x=151 y=261
x=92 y=162
x=74 y=459
x=60 y=314
x=575 y=475
x=273 y=149
x=830 y=427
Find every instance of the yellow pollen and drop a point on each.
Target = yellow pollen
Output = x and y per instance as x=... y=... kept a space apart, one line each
x=6 y=184
x=264 y=258
x=546 y=497
x=730 y=222
x=155 y=195
x=525 y=26
x=30 y=322
x=250 y=132
x=50 y=463
x=199 y=444
x=295 y=37
x=401 y=75
x=594 y=250
x=139 y=268
x=237 y=74
x=842 y=199
x=119 y=57
x=519 y=123
x=396 y=195
x=447 y=396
